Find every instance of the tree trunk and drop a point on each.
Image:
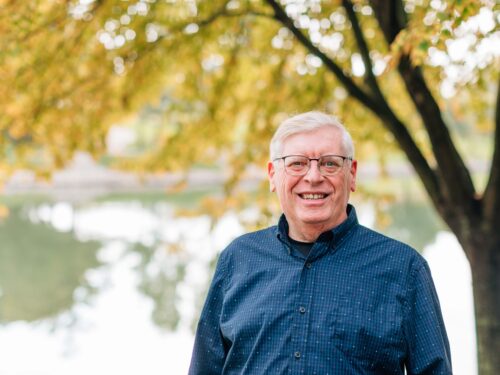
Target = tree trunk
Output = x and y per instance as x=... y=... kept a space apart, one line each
x=484 y=258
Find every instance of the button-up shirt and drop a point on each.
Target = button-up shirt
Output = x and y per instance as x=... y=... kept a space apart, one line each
x=359 y=303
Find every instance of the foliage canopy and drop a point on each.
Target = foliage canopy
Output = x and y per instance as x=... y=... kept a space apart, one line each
x=219 y=74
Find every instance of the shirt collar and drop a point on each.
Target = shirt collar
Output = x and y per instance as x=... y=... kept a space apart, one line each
x=330 y=237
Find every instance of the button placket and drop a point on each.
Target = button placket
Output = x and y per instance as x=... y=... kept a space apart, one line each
x=301 y=329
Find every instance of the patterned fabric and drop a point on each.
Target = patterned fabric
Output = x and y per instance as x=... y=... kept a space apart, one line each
x=360 y=303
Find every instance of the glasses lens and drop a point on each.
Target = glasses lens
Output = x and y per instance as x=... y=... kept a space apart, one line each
x=329 y=165
x=296 y=165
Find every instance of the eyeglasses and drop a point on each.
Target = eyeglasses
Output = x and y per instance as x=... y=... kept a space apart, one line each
x=299 y=165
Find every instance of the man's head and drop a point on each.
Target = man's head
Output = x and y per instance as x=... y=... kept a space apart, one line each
x=313 y=197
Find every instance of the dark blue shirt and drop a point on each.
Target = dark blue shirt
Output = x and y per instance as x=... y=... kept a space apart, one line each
x=359 y=303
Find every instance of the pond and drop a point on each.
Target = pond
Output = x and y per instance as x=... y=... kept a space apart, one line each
x=115 y=285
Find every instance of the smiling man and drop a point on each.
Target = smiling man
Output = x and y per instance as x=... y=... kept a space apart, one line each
x=319 y=293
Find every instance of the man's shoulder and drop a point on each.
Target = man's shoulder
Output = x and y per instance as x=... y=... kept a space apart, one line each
x=256 y=238
x=250 y=249
x=384 y=243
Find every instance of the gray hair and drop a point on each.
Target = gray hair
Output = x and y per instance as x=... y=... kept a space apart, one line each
x=306 y=122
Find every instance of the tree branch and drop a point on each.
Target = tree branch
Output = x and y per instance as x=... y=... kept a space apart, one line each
x=491 y=200
x=204 y=22
x=346 y=81
x=220 y=12
x=450 y=163
x=455 y=175
x=391 y=17
x=405 y=141
x=17 y=141
x=363 y=49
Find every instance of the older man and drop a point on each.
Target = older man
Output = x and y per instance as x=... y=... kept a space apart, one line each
x=319 y=293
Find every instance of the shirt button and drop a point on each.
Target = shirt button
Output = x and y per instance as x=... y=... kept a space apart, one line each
x=308 y=265
x=296 y=355
x=302 y=309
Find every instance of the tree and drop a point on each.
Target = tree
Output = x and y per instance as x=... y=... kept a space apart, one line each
x=227 y=69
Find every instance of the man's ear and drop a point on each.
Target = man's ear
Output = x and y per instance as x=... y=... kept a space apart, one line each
x=354 y=169
x=270 y=175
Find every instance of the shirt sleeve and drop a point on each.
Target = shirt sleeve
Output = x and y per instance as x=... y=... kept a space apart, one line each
x=210 y=350
x=427 y=342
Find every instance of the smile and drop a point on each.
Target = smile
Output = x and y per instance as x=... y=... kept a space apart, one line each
x=312 y=196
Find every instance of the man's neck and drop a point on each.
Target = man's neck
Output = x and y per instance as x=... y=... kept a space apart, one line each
x=307 y=233
x=310 y=233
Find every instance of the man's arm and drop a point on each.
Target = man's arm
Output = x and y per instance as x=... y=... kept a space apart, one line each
x=428 y=347
x=209 y=352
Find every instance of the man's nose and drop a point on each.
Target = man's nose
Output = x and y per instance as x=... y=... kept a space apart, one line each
x=313 y=174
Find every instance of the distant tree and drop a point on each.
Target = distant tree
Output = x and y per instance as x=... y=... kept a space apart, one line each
x=227 y=71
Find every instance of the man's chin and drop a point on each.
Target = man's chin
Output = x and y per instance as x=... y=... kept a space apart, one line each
x=314 y=220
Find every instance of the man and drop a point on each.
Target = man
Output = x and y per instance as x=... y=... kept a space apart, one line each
x=319 y=293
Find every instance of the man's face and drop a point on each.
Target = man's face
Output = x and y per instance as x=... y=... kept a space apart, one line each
x=313 y=201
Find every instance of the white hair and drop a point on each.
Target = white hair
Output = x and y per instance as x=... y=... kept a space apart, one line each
x=306 y=122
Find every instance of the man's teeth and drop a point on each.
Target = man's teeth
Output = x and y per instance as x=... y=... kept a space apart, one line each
x=313 y=196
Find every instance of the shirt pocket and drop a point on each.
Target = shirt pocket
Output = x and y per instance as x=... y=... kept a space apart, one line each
x=369 y=334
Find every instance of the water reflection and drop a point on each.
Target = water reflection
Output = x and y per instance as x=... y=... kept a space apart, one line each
x=128 y=276
x=42 y=270
x=414 y=223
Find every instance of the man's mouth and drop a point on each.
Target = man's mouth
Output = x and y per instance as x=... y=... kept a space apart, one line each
x=310 y=196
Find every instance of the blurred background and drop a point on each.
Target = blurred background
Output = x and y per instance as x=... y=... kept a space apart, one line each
x=134 y=141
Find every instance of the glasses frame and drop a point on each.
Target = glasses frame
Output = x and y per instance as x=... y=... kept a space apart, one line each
x=344 y=158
